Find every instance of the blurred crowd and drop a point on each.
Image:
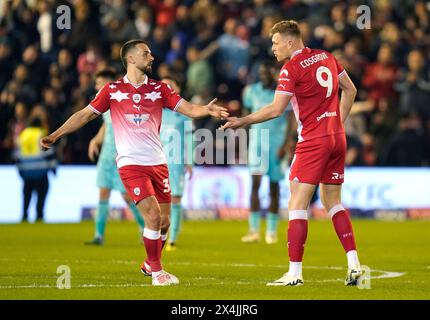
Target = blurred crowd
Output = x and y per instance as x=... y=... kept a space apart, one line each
x=214 y=49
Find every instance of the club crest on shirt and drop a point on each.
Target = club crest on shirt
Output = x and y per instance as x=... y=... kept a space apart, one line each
x=137 y=97
x=136 y=119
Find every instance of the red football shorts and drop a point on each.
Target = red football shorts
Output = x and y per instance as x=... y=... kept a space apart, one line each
x=144 y=181
x=320 y=160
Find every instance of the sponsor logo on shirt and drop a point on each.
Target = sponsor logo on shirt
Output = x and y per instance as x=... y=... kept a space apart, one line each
x=326 y=115
x=136 y=119
x=283 y=75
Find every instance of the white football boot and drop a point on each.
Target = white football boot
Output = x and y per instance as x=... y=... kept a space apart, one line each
x=287 y=280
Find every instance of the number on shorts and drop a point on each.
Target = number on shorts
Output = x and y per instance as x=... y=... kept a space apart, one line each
x=166 y=185
x=325 y=83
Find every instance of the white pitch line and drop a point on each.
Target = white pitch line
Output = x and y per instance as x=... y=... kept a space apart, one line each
x=85 y=285
x=384 y=275
x=387 y=274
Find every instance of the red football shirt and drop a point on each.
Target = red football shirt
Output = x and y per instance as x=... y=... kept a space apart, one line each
x=311 y=79
x=136 y=113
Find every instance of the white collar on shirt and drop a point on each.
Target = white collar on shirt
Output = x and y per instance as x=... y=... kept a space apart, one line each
x=126 y=80
x=296 y=53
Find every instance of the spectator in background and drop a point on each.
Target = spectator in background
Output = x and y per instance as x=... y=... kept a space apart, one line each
x=165 y=11
x=85 y=87
x=402 y=26
x=36 y=66
x=143 y=22
x=25 y=20
x=19 y=123
x=199 y=74
x=390 y=34
x=88 y=60
x=113 y=8
x=409 y=146
x=6 y=63
x=414 y=86
x=114 y=61
x=85 y=28
x=76 y=145
x=45 y=25
x=355 y=60
x=67 y=71
x=22 y=86
x=118 y=30
x=332 y=39
x=339 y=20
x=369 y=152
x=183 y=24
x=33 y=166
x=260 y=46
x=233 y=58
x=354 y=152
x=39 y=111
x=177 y=49
x=50 y=101
x=379 y=78
x=159 y=44
x=12 y=124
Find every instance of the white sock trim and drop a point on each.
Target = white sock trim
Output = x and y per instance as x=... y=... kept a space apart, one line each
x=151 y=234
x=352 y=258
x=335 y=210
x=298 y=214
x=295 y=269
x=163 y=237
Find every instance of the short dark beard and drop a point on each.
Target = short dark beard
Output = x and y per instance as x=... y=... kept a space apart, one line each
x=146 y=70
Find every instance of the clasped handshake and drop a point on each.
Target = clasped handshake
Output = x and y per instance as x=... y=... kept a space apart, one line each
x=219 y=112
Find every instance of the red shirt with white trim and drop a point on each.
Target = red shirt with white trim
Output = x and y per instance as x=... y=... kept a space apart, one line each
x=310 y=77
x=136 y=112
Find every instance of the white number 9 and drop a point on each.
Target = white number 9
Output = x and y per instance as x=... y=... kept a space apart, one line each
x=325 y=83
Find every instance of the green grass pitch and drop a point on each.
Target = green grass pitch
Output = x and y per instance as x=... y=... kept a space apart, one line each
x=211 y=262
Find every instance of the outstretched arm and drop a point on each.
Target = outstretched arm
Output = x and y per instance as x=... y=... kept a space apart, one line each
x=273 y=110
x=96 y=142
x=348 y=95
x=76 y=121
x=196 y=111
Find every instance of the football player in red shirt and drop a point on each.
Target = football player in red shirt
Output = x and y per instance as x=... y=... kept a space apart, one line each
x=135 y=103
x=310 y=80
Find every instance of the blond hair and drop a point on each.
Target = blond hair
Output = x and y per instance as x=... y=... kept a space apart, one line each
x=286 y=27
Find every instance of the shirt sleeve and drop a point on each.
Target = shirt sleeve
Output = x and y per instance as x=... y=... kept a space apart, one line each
x=171 y=99
x=246 y=98
x=101 y=102
x=286 y=81
x=340 y=70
